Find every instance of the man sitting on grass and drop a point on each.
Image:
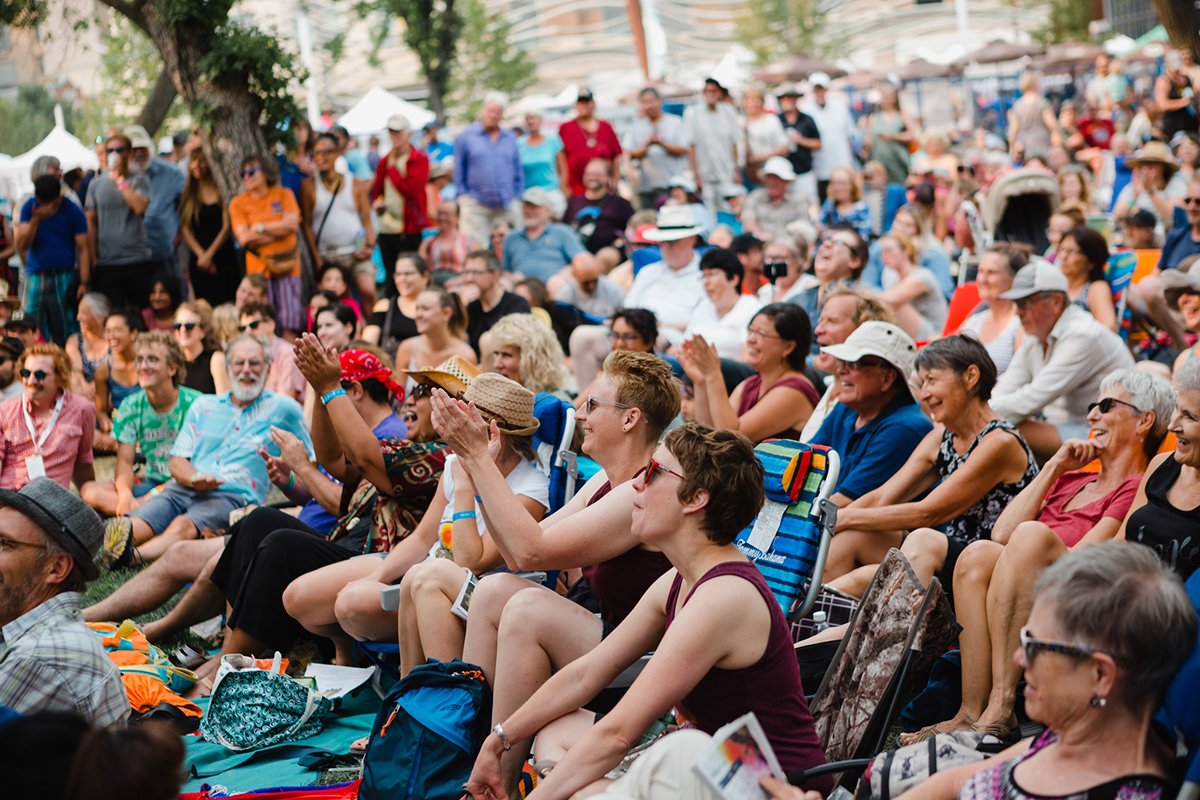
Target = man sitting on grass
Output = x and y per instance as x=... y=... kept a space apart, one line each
x=149 y=421
x=215 y=463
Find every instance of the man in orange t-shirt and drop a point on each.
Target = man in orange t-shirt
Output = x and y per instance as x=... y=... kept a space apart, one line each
x=265 y=219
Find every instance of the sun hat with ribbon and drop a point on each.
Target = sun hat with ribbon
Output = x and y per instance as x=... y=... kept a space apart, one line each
x=504 y=400
x=453 y=375
x=674 y=223
x=1154 y=153
x=358 y=365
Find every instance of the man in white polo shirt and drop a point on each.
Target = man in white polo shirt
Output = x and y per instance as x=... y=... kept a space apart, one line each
x=671 y=288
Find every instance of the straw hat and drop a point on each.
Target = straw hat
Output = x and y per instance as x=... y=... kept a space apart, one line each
x=1155 y=153
x=454 y=375
x=504 y=400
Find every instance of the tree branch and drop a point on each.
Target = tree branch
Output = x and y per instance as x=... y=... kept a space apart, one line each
x=158 y=104
x=131 y=9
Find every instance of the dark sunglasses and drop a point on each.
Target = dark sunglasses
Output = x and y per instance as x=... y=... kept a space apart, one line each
x=1031 y=647
x=251 y=325
x=115 y=149
x=1107 y=403
x=1190 y=201
x=421 y=390
x=246 y=173
x=185 y=326
x=4 y=359
x=39 y=375
x=653 y=468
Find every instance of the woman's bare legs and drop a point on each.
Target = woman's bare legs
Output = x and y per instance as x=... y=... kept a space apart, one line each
x=428 y=628
x=311 y=600
x=483 y=625
x=924 y=548
x=851 y=549
x=540 y=633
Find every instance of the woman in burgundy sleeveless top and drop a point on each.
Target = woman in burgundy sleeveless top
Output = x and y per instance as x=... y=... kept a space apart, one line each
x=721 y=645
x=780 y=336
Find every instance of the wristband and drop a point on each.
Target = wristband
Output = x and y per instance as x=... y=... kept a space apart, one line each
x=123 y=185
x=291 y=483
x=462 y=515
x=499 y=731
x=325 y=398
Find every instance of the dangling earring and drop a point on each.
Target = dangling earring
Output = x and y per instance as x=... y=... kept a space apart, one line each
x=1098 y=701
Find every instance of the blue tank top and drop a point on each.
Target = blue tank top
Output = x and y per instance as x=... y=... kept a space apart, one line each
x=117 y=392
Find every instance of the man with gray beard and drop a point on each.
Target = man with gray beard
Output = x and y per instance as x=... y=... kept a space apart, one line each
x=216 y=466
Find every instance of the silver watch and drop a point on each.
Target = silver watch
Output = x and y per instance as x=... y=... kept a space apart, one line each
x=499 y=731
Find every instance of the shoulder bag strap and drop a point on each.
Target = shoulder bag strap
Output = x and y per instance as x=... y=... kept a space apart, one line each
x=332 y=199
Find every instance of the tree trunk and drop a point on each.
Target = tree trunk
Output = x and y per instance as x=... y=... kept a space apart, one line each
x=1182 y=23
x=234 y=132
x=158 y=104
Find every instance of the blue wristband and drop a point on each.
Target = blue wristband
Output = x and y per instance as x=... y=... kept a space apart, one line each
x=330 y=395
x=462 y=515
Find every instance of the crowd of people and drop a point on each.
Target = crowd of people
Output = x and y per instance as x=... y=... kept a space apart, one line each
x=371 y=339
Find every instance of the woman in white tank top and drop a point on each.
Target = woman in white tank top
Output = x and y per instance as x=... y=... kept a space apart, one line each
x=996 y=326
x=332 y=213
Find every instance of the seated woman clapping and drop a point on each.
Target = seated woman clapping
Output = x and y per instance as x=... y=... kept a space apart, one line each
x=1064 y=509
x=632 y=401
x=971 y=464
x=1108 y=629
x=719 y=636
x=778 y=399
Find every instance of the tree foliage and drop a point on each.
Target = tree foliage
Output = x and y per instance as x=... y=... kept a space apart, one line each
x=774 y=28
x=431 y=29
x=130 y=68
x=487 y=61
x=1067 y=22
x=26 y=121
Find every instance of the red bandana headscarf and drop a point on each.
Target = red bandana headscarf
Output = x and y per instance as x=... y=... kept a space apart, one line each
x=359 y=365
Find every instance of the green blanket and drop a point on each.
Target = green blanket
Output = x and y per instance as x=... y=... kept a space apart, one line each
x=245 y=772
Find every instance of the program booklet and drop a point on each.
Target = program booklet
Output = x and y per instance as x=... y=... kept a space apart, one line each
x=738 y=756
x=462 y=603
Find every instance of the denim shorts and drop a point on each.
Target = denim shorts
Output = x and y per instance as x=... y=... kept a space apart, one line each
x=204 y=509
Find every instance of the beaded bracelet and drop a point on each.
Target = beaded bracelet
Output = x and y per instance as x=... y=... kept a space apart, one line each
x=325 y=398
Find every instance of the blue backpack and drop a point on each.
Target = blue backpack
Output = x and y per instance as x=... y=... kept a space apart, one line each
x=427 y=734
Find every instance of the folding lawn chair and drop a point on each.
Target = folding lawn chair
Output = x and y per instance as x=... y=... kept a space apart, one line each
x=789 y=539
x=895 y=635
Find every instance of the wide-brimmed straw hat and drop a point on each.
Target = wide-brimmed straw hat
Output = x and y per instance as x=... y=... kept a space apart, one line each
x=1155 y=153
x=504 y=400
x=454 y=375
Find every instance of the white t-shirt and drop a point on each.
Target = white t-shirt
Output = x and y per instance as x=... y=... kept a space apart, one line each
x=727 y=332
x=525 y=479
x=836 y=127
x=672 y=295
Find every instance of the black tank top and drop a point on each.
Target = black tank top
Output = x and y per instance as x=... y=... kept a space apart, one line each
x=1173 y=533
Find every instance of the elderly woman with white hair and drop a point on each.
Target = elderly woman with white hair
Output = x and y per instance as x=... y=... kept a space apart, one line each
x=1065 y=508
x=1108 y=629
x=525 y=349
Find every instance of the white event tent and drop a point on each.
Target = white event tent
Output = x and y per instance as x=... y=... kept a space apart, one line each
x=370 y=114
x=69 y=151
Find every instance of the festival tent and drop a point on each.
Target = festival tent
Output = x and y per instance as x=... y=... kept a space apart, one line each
x=370 y=114
x=69 y=151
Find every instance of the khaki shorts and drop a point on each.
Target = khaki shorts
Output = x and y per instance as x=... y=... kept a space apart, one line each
x=352 y=264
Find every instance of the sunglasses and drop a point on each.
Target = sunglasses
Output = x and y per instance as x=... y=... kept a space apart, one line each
x=1107 y=403
x=627 y=338
x=421 y=390
x=1031 y=647
x=324 y=151
x=39 y=375
x=251 y=325
x=654 y=467
x=1191 y=200
x=115 y=149
x=185 y=326
x=858 y=366
x=246 y=173
x=591 y=403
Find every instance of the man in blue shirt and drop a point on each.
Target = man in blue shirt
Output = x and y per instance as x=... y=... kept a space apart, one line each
x=487 y=172
x=543 y=248
x=216 y=466
x=53 y=233
x=875 y=425
x=166 y=185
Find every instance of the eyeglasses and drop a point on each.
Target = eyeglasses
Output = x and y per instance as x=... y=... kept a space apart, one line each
x=654 y=466
x=246 y=173
x=858 y=366
x=4 y=359
x=120 y=149
x=1069 y=251
x=1031 y=647
x=832 y=240
x=185 y=326
x=474 y=273
x=1025 y=302
x=590 y=405
x=625 y=338
x=757 y=334
x=149 y=361
x=251 y=325
x=254 y=365
x=13 y=544
x=39 y=375
x=324 y=151
x=1107 y=403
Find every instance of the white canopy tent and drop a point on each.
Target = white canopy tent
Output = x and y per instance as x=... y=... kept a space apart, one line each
x=69 y=151
x=370 y=114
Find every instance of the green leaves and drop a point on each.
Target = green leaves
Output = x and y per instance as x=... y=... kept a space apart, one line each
x=774 y=28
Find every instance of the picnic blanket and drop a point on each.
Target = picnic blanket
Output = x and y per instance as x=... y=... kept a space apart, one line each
x=278 y=765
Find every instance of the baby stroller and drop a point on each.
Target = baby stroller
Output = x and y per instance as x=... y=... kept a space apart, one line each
x=1018 y=207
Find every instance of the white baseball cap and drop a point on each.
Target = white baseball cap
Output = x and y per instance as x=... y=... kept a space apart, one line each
x=780 y=167
x=398 y=122
x=819 y=79
x=138 y=137
x=1039 y=275
x=882 y=339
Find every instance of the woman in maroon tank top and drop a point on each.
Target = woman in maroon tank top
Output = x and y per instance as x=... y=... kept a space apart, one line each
x=721 y=643
x=778 y=399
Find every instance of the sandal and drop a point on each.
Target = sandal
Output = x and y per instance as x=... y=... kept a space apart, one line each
x=1003 y=735
x=917 y=737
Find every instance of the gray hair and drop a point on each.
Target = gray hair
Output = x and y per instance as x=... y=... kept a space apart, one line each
x=1118 y=597
x=495 y=98
x=97 y=303
x=1149 y=392
x=41 y=165
x=1187 y=377
x=258 y=340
